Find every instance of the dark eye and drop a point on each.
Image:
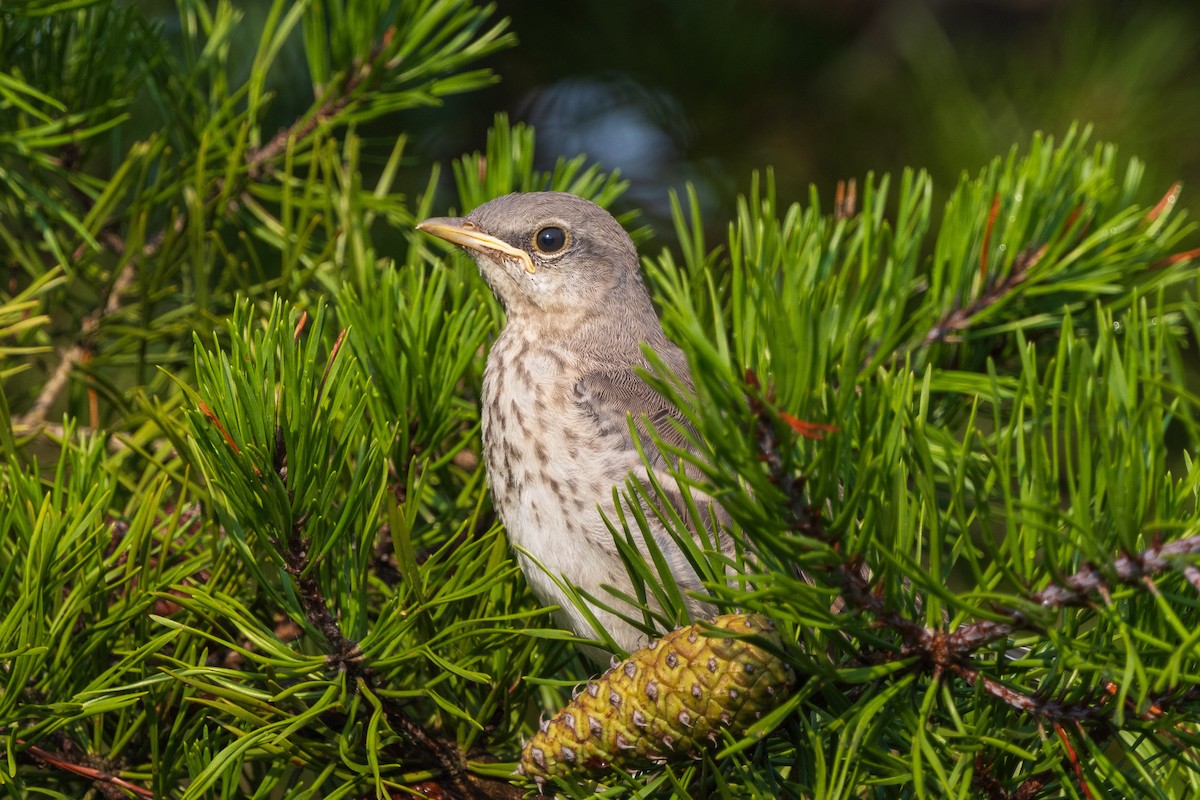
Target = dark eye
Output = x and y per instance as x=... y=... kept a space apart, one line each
x=550 y=239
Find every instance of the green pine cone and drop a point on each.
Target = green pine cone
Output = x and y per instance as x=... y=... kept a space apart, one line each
x=664 y=702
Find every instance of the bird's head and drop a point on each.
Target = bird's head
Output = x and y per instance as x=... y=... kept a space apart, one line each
x=547 y=253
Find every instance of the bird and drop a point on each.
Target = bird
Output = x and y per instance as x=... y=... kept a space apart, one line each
x=560 y=387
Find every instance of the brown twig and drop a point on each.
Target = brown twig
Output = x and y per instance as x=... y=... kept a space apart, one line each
x=959 y=319
x=1165 y=203
x=845 y=199
x=987 y=237
x=983 y=780
x=1034 y=706
x=332 y=104
x=1073 y=758
x=72 y=355
x=68 y=358
x=107 y=783
x=1077 y=590
x=343 y=652
x=346 y=655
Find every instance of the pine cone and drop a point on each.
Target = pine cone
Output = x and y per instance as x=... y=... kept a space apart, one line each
x=664 y=702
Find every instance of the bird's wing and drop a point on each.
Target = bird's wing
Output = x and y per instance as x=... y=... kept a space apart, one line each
x=609 y=395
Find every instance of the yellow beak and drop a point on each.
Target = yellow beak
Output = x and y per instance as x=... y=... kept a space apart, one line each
x=459 y=231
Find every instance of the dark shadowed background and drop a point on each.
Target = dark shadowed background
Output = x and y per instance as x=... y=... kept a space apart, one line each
x=707 y=92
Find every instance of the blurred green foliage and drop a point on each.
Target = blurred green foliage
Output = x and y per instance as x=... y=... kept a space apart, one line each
x=246 y=547
x=820 y=92
x=826 y=91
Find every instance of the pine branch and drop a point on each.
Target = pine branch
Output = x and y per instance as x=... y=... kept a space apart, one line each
x=334 y=101
x=256 y=163
x=938 y=650
x=1076 y=590
x=961 y=319
x=365 y=76
x=71 y=355
x=316 y=425
x=345 y=655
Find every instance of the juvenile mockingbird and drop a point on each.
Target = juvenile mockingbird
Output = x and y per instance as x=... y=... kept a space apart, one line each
x=560 y=383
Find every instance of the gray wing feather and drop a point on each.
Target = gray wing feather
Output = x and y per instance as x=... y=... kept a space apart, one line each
x=609 y=395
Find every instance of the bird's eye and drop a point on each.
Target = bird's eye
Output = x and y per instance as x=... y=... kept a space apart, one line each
x=550 y=240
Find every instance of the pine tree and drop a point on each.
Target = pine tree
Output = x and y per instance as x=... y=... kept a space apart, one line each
x=246 y=547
